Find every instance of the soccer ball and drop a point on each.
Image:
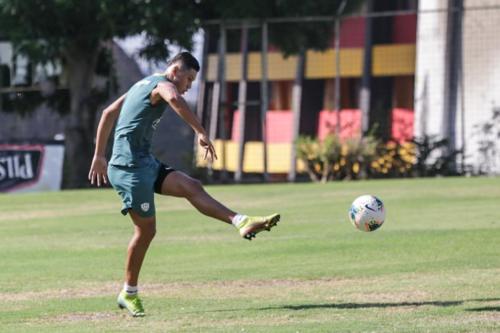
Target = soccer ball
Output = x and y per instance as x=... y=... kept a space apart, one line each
x=367 y=213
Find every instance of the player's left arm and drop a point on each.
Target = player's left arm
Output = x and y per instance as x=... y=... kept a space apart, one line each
x=171 y=95
x=98 y=169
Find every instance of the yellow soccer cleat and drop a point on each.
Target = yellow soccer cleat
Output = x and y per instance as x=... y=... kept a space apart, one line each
x=132 y=303
x=252 y=225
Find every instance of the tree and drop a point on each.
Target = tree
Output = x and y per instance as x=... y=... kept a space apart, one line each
x=74 y=33
x=291 y=38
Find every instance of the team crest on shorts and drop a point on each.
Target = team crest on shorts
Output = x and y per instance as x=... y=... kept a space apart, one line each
x=145 y=206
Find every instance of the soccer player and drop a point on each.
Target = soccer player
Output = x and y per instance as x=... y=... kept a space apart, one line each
x=135 y=174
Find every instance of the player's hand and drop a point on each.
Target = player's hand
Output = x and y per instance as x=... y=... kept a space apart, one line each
x=210 y=153
x=98 y=171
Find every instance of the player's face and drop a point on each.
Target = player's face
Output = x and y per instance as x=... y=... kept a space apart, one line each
x=183 y=79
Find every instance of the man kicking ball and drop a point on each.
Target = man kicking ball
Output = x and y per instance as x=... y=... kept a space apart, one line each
x=135 y=174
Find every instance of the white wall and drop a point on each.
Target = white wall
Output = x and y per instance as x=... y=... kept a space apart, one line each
x=481 y=76
x=481 y=66
x=430 y=68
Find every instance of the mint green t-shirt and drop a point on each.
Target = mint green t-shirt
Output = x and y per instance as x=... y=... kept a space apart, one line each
x=136 y=124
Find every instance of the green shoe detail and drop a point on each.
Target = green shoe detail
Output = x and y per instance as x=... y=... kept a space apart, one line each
x=132 y=303
x=252 y=225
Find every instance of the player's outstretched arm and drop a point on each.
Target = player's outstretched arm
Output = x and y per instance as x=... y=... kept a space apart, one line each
x=98 y=169
x=171 y=95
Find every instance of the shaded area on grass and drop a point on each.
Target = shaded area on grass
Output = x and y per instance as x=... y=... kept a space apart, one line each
x=388 y=305
x=485 y=308
x=369 y=305
x=353 y=305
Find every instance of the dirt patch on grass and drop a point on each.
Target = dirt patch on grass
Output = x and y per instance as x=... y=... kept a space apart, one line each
x=333 y=293
x=276 y=302
x=78 y=317
x=275 y=289
x=86 y=316
x=74 y=293
x=209 y=289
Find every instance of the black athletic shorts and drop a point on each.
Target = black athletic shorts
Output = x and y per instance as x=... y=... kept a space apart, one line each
x=163 y=172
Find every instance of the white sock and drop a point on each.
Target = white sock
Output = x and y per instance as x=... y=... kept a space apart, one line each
x=130 y=290
x=238 y=220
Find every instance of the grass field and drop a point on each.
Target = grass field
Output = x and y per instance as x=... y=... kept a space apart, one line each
x=433 y=267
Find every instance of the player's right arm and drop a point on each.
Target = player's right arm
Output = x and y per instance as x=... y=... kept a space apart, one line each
x=98 y=169
x=168 y=92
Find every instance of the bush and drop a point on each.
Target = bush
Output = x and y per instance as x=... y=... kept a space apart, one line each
x=333 y=159
x=393 y=160
x=318 y=157
x=368 y=157
x=434 y=158
x=488 y=134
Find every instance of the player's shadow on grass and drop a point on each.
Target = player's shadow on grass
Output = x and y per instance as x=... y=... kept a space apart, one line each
x=367 y=305
x=390 y=305
x=302 y=307
x=485 y=308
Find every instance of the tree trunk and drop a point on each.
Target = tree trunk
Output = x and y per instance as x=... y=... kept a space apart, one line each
x=79 y=131
x=297 y=108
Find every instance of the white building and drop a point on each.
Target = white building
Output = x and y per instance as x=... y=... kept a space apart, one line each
x=457 y=84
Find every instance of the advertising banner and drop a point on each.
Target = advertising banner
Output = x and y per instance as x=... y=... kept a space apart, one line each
x=31 y=167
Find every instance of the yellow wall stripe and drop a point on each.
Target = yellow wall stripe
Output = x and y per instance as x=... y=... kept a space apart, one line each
x=322 y=64
x=393 y=60
x=278 y=157
x=388 y=60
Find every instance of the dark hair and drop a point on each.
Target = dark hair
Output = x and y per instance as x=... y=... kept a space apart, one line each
x=188 y=61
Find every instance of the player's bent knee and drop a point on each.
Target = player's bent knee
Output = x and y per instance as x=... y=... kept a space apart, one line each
x=147 y=231
x=146 y=226
x=151 y=232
